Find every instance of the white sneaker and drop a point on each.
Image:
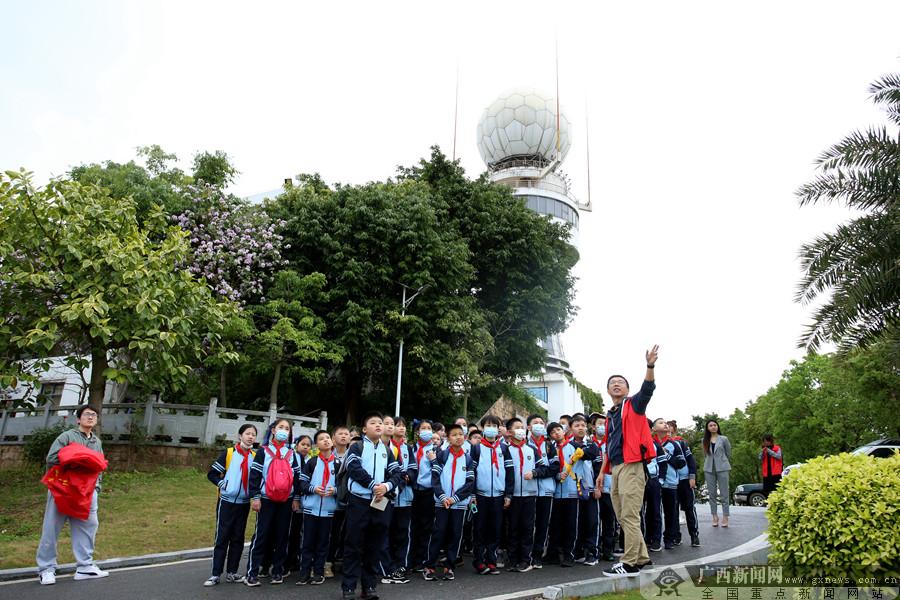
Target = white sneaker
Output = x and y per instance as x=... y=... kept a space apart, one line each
x=211 y=581
x=91 y=572
x=48 y=578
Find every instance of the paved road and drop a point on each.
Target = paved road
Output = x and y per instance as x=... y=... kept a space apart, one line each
x=185 y=579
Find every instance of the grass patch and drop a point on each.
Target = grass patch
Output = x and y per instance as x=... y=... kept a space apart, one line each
x=140 y=513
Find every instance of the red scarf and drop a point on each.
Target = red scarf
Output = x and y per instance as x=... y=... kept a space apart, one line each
x=421 y=451
x=245 y=466
x=326 y=474
x=493 y=448
x=598 y=442
x=538 y=442
x=397 y=452
x=519 y=447
x=562 y=459
x=453 y=472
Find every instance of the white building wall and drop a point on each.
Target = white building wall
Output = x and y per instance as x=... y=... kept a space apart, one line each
x=58 y=372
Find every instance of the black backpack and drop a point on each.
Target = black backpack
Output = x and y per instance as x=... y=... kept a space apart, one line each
x=342 y=489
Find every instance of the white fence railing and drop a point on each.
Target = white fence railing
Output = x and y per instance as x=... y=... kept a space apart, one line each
x=172 y=424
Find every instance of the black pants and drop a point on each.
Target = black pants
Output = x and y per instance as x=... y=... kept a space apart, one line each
x=770 y=483
x=400 y=538
x=588 y=528
x=422 y=521
x=543 y=507
x=608 y=531
x=670 y=510
x=365 y=531
x=521 y=529
x=686 y=504
x=652 y=512
x=446 y=534
x=292 y=562
x=488 y=522
x=567 y=509
x=231 y=524
x=468 y=535
x=316 y=535
x=273 y=525
x=336 y=548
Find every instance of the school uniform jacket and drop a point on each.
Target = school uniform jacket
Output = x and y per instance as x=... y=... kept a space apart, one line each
x=689 y=470
x=546 y=449
x=457 y=485
x=583 y=468
x=420 y=466
x=312 y=476
x=370 y=463
x=493 y=471
x=657 y=468
x=404 y=494
x=524 y=459
x=674 y=462
x=259 y=469
x=228 y=479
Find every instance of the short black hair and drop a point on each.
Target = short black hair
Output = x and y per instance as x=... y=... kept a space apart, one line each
x=423 y=422
x=577 y=417
x=247 y=426
x=339 y=427
x=552 y=426
x=370 y=415
x=454 y=427
x=80 y=410
x=472 y=426
x=532 y=417
x=490 y=420
x=510 y=422
x=437 y=426
x=318 y=433
x=475 y=431
x=766 y=438
x=566 y=417
x=398 y=420
x=300 y=439
x=611 y=377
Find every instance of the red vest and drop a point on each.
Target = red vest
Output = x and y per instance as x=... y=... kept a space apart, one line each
x=775 y=462
x=635 y=434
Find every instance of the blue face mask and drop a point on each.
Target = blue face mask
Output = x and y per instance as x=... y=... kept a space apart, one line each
x=538 y=430
x=281 y=435
x=426 y=435
x=491 y=432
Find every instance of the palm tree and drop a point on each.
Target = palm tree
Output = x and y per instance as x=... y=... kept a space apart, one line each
x=859 y=262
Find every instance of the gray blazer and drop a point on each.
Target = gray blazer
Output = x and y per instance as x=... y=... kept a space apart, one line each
x=721 y=456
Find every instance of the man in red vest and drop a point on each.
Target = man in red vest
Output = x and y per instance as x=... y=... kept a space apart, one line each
x=629 y=446
x=772 y=463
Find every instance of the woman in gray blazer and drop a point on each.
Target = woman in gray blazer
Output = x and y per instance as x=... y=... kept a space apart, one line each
x=716 y=467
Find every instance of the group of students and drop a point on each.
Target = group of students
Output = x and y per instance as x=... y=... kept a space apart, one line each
x=518 y=494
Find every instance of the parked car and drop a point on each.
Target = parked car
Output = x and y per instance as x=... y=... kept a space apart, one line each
x=880 y=448
x=749 y=494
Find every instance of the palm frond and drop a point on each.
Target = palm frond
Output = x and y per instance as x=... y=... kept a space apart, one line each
x=874 y=148
x=886 y=92
x=873 y=188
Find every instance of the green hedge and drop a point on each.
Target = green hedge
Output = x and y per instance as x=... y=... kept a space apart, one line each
x=37 y=445
x=838 y=516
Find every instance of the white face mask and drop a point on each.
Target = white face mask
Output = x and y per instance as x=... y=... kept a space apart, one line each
x=601 y=431
x=519 y=434
x=538 y=430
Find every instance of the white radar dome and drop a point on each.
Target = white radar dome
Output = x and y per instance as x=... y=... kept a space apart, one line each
x=521 y=123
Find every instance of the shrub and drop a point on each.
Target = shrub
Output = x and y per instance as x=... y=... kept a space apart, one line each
x=837 y=516
x=37 y=445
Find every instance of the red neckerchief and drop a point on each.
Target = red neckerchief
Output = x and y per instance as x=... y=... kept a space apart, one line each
x=326 y=471
x=538 y=442
x=562 y=459
x=397 y=445
x=278 y=446
x=493 y=447
x=245 y=466
x=453 y=472
x=420 y=451
x=521 y=454
x=661 y=441
x=598 y=442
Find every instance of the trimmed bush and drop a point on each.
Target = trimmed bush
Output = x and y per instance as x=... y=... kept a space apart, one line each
x=838 y=516
x=37 y=445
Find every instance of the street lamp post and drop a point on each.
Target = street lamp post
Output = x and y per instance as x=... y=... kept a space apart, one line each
x=404 y=303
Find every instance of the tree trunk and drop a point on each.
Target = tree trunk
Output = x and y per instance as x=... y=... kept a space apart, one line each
x=273 y=392
x=98 y=379
x=223 y=401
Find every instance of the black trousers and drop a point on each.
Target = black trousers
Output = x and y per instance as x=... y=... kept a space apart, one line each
x=567 y=509
x=445 y=535
x=316 y=535
x=400 y=537
x=422 y=521
x=686 y=504
x=588 y=528
x=292 y=561
x=652 y=512
x=543 y=507
x=608 y=529
x=670 y=511
x=365 y=531
x=273 y=525
x=488 y=522
x=336 y=548
x=770 y=483
x=231 y=525
x=521 y=529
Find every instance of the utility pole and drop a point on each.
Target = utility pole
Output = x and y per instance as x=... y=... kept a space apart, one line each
x=404 y=304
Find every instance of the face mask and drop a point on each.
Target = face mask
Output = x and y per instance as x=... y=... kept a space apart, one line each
x=565 y=428
x=426 y=435
x=601 y=431
x=281 y=435
x=538 y=430
x=519 y=434
x=491 y=432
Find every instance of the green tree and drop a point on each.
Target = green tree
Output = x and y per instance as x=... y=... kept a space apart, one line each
x=856 y=268
x=80 y=273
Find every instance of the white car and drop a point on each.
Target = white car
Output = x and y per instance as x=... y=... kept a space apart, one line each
x=881 y=448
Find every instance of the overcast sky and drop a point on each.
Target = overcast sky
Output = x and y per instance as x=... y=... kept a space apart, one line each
x=704 y=119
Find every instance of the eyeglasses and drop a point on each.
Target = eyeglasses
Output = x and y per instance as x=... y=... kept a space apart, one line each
x=87 y=415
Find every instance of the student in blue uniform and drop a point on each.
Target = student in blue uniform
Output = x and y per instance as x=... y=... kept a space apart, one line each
x=401 y=519
x=492 y=463
x=651 y=515
x=318 y=485
x=231 y=474
x=553 y=553
x=546 y=485
x=340 y=436
x=274 y=492
x=453 y=480
x=669 y=482
x=527 y=470
x=575 y=490
x=302 y=446
x=687 y=482
x=422 y=453
x=602 y=491
x=372 y=475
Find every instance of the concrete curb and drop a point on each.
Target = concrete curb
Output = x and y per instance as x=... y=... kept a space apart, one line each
x=116 y=563
x=754 y=552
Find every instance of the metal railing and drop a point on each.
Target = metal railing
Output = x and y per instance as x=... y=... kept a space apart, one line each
x=168 y=424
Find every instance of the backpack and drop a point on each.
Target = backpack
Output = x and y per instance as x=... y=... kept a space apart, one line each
x=342 y=488
x=280 y=477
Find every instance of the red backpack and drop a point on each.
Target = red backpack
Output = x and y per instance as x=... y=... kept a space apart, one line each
x=280 y=477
